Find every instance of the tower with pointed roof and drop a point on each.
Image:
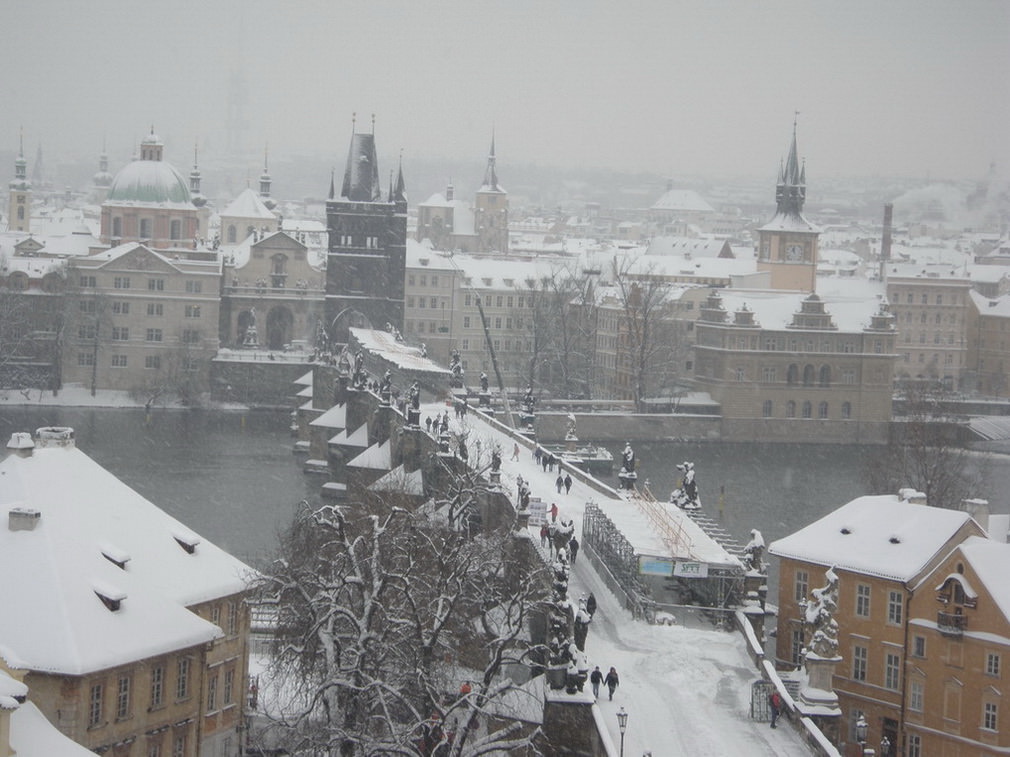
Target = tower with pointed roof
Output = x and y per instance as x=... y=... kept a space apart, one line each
x=367 y=245
x=787 y=244
x=491 y=210
x=102 y=180
x=265 y=182
x=19 y=209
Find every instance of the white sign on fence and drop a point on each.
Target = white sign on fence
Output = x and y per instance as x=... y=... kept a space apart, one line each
x=690 y=569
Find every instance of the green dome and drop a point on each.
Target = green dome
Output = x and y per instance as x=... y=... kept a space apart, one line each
x=149 y=181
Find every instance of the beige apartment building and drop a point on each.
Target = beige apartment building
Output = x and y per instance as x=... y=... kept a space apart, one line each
x=141 y=649
x=141 y=320
x=886 y=551
x=933 y=315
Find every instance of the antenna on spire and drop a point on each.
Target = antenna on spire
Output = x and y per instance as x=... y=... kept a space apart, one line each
x=266 y=155
x=373 y=124
x=354 y=122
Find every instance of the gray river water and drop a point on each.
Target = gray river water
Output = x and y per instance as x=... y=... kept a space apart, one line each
x=232 y=477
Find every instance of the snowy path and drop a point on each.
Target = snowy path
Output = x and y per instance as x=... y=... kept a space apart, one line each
x=687 y=691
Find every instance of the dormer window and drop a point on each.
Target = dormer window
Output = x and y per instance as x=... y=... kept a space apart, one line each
x=111 y=597
x=116 y=556
x=187 y=541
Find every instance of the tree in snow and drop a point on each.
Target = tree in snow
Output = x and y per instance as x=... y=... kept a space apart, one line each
x=925 y=452
x=398 y=636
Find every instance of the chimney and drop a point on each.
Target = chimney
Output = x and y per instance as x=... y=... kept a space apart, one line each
x=54 y=436
x=978 y=509
x=21 y=444
x=23 y=519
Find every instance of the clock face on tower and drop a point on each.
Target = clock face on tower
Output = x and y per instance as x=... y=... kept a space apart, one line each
x=794 y=253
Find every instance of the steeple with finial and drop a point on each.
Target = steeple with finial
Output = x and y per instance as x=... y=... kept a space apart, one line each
x=791 y=189
x=491 y=173
x=21 y=166
x=265 y=180
x=361 y=176
x=194 y=180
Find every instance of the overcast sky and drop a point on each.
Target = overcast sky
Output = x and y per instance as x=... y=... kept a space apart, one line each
x=709 y=87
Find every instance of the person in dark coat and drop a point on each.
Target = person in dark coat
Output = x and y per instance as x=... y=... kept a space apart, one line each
x=596 y=678
x=612 y=681
x=573 y=548
x=560 y=483
x=568 y=482
x=591 y=604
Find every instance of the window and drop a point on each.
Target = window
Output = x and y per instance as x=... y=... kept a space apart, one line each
x=182 y=679
x=766 y=409
x=156 y=285
x=801 y=585
x=120 y=334
x=119 y=361
x=796 y=648
x=117 y=227
x=846 y=410
x=121 y=282
x=863 y=600
x=989 y=712
x=918 y=646
x=121 y=308
x=154 y=749
x=192 y=311
x=157 y=686
x=992 y=664
x=179 y=746
x=232 y=628
x=433 y=302
x=194 y=287
x=421 y=302
x=791 y=409
x=85 y=358
x=155 y=309
x=895 y=603
x=915 y=696
x=212 y=693
x=229 y=686
x=892 y=671
x=822 y=410
x=825 y=376
x=175 y=230
x=190 y=336
x=466 y=321
x=154 y=335
x=914 y=739
x=123 y=698
x=859 y=655
x=153 y=362
x=95 y=706
x=792 y=374
x=88 y=306
x=741 y=373
x=145 y=228
x=768 y=374
x=87 y=331
x=498 y=301
x=808 y=409
x=848 y=376
x=88 y=282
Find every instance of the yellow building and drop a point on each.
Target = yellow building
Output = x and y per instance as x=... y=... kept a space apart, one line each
x=130 y=630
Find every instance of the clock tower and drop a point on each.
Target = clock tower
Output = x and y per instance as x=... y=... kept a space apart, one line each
x=787 y=244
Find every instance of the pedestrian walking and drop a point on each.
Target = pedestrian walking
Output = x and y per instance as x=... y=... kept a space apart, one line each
x=573 y=549
x=543 y=535
x=515 y=451
x=537 y=455
x=560 y=483
x=775 y=703
x=612 y=681
x=554 y=511
x=427 y=423
x=591 y=604
x=568 y=482
x=596 y=678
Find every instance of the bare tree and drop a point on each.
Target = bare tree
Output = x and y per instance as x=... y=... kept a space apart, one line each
x=927 y=452
x=88 y=322
x=380 y=610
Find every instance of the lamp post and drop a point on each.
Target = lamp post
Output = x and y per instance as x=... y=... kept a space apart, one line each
x=622 y=723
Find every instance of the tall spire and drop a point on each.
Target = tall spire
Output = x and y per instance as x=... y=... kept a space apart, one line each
x=20 y=164
x=791 y=191
x=194 y=179
x=265 y=179
x=400 y=195
x=491 y=174
x=333 y=187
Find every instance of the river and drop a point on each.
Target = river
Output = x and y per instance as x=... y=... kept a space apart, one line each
x=232 y=477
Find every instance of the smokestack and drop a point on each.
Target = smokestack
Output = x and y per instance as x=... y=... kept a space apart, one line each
x=885 y=242
x=21 y=444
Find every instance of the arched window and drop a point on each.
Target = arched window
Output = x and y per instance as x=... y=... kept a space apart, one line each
x=825 y=375
x=117 y=227
x=175 y=230
x=791 y=409
x=145 y=228
x=232 y=233
x=793 y=374
x=808 y=409
x=808 y=375
x=822 y=410
x=766 y=409
x=846 y=410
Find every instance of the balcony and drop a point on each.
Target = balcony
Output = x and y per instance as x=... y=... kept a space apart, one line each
x=950 y=624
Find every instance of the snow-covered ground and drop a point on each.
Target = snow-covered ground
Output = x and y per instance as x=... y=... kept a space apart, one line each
x=686 y=690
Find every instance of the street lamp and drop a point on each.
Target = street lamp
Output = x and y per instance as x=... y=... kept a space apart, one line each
x=622 y=723
x=861 y=728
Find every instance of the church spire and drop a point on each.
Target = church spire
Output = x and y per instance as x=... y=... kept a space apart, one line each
x=265 y=180
x=195 y=178
x=791 y=191
x=491 y=173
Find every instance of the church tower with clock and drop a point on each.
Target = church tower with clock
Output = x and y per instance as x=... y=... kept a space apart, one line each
x=787 y=244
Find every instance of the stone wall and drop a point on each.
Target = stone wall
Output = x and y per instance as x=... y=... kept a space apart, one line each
x=256 y=383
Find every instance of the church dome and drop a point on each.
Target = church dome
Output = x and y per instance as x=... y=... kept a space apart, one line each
x=149 y=181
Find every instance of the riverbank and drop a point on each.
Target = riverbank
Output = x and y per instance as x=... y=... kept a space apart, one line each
x=74 y=395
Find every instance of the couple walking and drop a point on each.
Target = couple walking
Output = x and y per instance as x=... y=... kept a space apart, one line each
x=611 y=681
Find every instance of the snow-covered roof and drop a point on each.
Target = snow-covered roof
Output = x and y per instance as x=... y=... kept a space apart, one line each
x=248 y=205
x=150 y=182
x=682 y=200
x=851 y=308
x=990 y=559
x=385 y=345
x=96 y=542
x=790 y=222
x=877 y=535
x=34 y=736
